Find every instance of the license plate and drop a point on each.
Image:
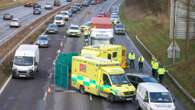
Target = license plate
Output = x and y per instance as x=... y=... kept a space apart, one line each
x=22 y=75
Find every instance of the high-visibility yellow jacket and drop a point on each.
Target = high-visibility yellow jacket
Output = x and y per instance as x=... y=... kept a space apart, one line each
x=131 y=56
x=141 y=59
x=161 y=71
x=155 y=65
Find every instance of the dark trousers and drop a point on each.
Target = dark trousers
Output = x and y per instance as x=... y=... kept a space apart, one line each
x=131 y=64
x=154 y=73
x=160 y=78
x=140 y=64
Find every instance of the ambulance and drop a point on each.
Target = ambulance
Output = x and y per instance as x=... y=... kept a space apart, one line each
x=101 y=77
x=112 y=52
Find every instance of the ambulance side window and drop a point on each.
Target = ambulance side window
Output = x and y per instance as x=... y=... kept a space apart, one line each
x=106 y=80
x=109 y=56
x=114 y=54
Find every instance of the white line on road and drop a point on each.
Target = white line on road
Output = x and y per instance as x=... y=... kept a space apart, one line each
x=90 y=97
x=5 y=84
x=45 y=96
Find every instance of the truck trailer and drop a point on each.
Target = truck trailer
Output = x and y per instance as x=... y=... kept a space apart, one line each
x=101 y=31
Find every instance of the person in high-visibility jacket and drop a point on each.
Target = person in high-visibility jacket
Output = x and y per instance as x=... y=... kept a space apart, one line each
x=140 y=63
x=155 y=66
x=161 y=73
x=131 y=57
x=86 y=32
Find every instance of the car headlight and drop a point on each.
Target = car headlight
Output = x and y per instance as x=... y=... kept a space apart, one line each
x=119 y=93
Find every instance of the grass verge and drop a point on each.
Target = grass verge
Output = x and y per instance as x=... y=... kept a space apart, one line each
x=154 y=33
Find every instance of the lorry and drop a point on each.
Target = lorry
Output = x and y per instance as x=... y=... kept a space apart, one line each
x=101 y=77
x=101 y=31
x=112 y=52
x=26 y=61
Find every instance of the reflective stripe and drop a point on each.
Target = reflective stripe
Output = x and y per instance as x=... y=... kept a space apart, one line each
x=131 y=56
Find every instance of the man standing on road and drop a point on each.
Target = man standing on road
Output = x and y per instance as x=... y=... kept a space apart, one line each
x=155 y=67
x=161 y=73
x=131 y=57
x=140 y=63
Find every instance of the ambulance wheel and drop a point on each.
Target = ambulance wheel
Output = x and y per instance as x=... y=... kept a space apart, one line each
x=82 y=90
x=111 y=98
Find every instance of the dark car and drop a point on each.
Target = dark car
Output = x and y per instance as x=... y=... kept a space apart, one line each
x=36 y=11
x=7 y=16
x=57 y=3
x=135 y=79
x=42 y=41
x=52 y=28
x=37 y=6
x=69 y=0
x=119 y=29
x=74 y=9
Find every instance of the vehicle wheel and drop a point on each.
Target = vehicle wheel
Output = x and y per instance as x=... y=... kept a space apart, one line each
x=111 y=98
x=82 y=90
x=14 y=76
x=138 y=107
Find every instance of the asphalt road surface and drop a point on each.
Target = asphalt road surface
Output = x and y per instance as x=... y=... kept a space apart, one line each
x=24 y=14
x=21 y=94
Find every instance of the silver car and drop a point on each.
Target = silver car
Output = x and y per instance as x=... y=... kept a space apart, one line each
x=43 y=41
x=15 y=23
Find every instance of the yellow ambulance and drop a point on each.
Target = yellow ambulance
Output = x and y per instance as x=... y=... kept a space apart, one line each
x=112 y=52
x=101 y=77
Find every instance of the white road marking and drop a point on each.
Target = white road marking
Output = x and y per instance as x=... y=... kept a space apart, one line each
x=45 y=96
x=5 y=84
x=90 y=97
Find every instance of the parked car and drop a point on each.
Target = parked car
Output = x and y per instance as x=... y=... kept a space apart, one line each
x=48 y=6
x=37 y=6
x=86 y=3
x=154 y=96
x=74 y=9
x=15 y=23
x=79 y=5
x=73 y=30
x=7 y=16
x=36 y=11
x=70 y=12
x=119 y=29
x=29 y=4
x=52 y=28
x=114 y=19
x=65 y=14
x=59 y=20
x=93 y=2
x=57 y=3
x=137 y=78
x=42 y=41
x=102 y=14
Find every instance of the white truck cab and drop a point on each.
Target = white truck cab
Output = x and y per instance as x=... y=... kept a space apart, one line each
x=26 y=61
x=154 y=96
x=59 y=20
x=101 y=36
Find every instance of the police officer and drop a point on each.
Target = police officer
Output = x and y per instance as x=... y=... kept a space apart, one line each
x=155 y=67
x=161 y=73
x=140 y=63
x=131 y=57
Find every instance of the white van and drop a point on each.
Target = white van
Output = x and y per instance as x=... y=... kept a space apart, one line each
x=59 y=20
x=101 y=36
x=154 y=96
x=26 y=61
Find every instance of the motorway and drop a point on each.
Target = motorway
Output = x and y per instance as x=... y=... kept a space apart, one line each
x=24 y=14
x=24 y=94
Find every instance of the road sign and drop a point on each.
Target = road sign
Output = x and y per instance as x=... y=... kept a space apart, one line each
x=173 y=51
